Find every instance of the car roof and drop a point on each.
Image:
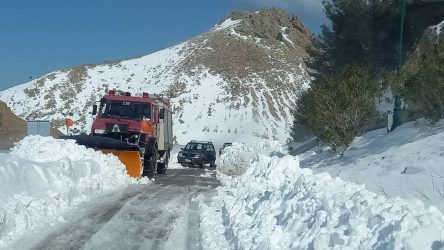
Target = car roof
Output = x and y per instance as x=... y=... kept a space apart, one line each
x=201 y=142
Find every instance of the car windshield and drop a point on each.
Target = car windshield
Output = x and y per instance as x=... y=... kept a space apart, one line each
x=227 y=144
x=198 y=146
x=126 y=109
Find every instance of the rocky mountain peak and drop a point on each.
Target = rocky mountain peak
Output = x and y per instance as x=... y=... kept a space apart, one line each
x=272 y=25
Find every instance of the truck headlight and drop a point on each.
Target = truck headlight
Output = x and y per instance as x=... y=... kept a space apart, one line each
x=180 y=154
x=99 y=131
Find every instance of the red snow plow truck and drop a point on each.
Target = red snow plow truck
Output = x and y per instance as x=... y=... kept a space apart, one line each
x=137 y=129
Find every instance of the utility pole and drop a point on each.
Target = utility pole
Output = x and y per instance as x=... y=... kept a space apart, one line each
x=397 y=110
x=401 y=34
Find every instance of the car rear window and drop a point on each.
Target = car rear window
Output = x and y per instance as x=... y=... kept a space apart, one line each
x=199 y=146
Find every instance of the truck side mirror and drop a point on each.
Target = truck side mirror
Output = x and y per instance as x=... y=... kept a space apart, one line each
x=94 y=109
x=162 y=113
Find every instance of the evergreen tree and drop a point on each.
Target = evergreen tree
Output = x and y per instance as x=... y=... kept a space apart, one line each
x=366 y=32
x=340 y=107
x=421 y=82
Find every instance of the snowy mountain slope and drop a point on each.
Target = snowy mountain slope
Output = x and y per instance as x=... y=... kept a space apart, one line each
x=407 y=162
x=238 y=80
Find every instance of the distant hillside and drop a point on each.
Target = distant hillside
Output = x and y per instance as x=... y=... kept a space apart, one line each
x=238 y=80
x=12 y=128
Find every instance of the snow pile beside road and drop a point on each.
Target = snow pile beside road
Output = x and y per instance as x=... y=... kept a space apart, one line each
x=277 y=205
x=43 y=177
x=236 y=158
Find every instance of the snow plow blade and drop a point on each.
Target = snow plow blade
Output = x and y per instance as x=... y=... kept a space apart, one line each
x=131 y=160
x=127 y=153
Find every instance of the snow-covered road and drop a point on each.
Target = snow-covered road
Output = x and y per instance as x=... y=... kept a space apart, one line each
x=53 y=198
x=160 y=216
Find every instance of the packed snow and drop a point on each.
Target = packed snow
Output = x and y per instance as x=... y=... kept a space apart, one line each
x=273 y=203
x=42 y=178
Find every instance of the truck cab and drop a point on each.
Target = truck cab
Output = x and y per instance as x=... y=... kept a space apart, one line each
x=144 y=120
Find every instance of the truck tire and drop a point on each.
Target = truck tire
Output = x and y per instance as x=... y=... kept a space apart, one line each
x=162 y=167
x=150 y=161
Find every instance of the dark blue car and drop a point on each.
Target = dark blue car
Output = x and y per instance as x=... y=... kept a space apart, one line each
x=197 y=153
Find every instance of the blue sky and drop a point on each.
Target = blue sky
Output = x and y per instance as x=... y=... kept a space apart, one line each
x=40 y=36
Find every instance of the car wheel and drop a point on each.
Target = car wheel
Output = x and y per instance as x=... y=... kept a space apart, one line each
x=212 y=164
x=202 y=164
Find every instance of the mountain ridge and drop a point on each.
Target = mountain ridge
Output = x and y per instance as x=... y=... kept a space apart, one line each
x=240 y=80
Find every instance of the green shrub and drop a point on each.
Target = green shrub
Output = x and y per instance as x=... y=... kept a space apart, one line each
x=339 y=107
x=421 y=82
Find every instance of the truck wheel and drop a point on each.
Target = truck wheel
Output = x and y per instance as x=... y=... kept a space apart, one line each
x=150 y=163
x=148 y=168
x=161 y=168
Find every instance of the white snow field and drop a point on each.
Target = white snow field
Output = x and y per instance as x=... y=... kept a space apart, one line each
x=276 y=204
x=42 y=178
x=408 y=162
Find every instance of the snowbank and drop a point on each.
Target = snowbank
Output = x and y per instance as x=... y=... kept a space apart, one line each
x=236 y=158
x=277 y=205
x=43 y=177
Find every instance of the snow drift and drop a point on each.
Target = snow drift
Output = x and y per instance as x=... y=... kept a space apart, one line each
x=237 y=157
x=43 y=177
x=275 y=204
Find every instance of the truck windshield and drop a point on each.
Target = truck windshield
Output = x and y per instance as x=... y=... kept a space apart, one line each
x=126 y=109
